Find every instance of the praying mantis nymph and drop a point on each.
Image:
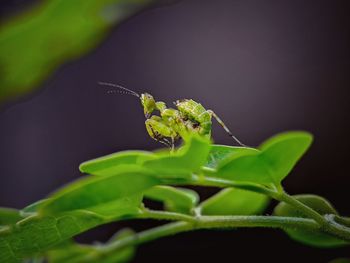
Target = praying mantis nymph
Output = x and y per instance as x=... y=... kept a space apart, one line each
x=172 y=124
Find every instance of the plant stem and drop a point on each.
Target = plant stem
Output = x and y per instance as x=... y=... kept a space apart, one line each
x=207 y=222
x=307 y=211
x=328 y=226
x=255 y=221
x=146 y=236
x=164 y=215
x=218 y=182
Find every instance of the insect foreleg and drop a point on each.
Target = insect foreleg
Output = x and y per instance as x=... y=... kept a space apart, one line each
x=172 y=143
x=216 y=117
x=155 y=136
x=159 y=131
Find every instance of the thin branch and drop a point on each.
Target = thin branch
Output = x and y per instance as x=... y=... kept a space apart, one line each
x=206 y=222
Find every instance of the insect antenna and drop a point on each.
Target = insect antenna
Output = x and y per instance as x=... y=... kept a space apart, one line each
x=120 y=89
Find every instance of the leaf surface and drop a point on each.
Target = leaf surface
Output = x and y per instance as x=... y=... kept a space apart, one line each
x=38 y=233
x=182 y=163
x=276 y=158
x=219 y=153
x=9 y=216
x=283 y=151
x=110 y=164
x=92 y=191
x=232 y=201
x=179 y=200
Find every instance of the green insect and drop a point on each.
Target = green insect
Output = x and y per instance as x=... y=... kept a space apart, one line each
x=172 y=124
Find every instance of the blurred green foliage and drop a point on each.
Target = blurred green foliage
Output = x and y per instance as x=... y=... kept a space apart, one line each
x=36 y=42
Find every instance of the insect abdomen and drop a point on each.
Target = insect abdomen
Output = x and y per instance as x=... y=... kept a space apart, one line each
x=195 y=112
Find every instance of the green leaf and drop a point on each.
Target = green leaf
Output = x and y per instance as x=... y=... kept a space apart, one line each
x=232 y=201
x=36 y=42
x=92 y=191
x=219 y=153
x=175 y=199
x=125 y=207
x=248 y=167
x=274 y=161
x=109 y=164
x=283 y=151
x=33 y=208
x=182 y=163
x=38 y=233
x=9 y=216
x=166 y=165
x=317 y=239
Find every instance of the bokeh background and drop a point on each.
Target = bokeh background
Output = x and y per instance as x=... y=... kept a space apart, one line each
x=263 y=66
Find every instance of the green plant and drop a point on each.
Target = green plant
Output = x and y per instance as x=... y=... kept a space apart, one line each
x=116 y=185
x=36 y=42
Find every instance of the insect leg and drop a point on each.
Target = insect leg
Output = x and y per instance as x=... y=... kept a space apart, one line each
x=165 y=141
x=157 y=138
x=153 y=132
x=172 y=143
x=216 y=117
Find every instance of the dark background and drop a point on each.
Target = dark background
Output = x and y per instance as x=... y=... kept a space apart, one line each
x=263 y=66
